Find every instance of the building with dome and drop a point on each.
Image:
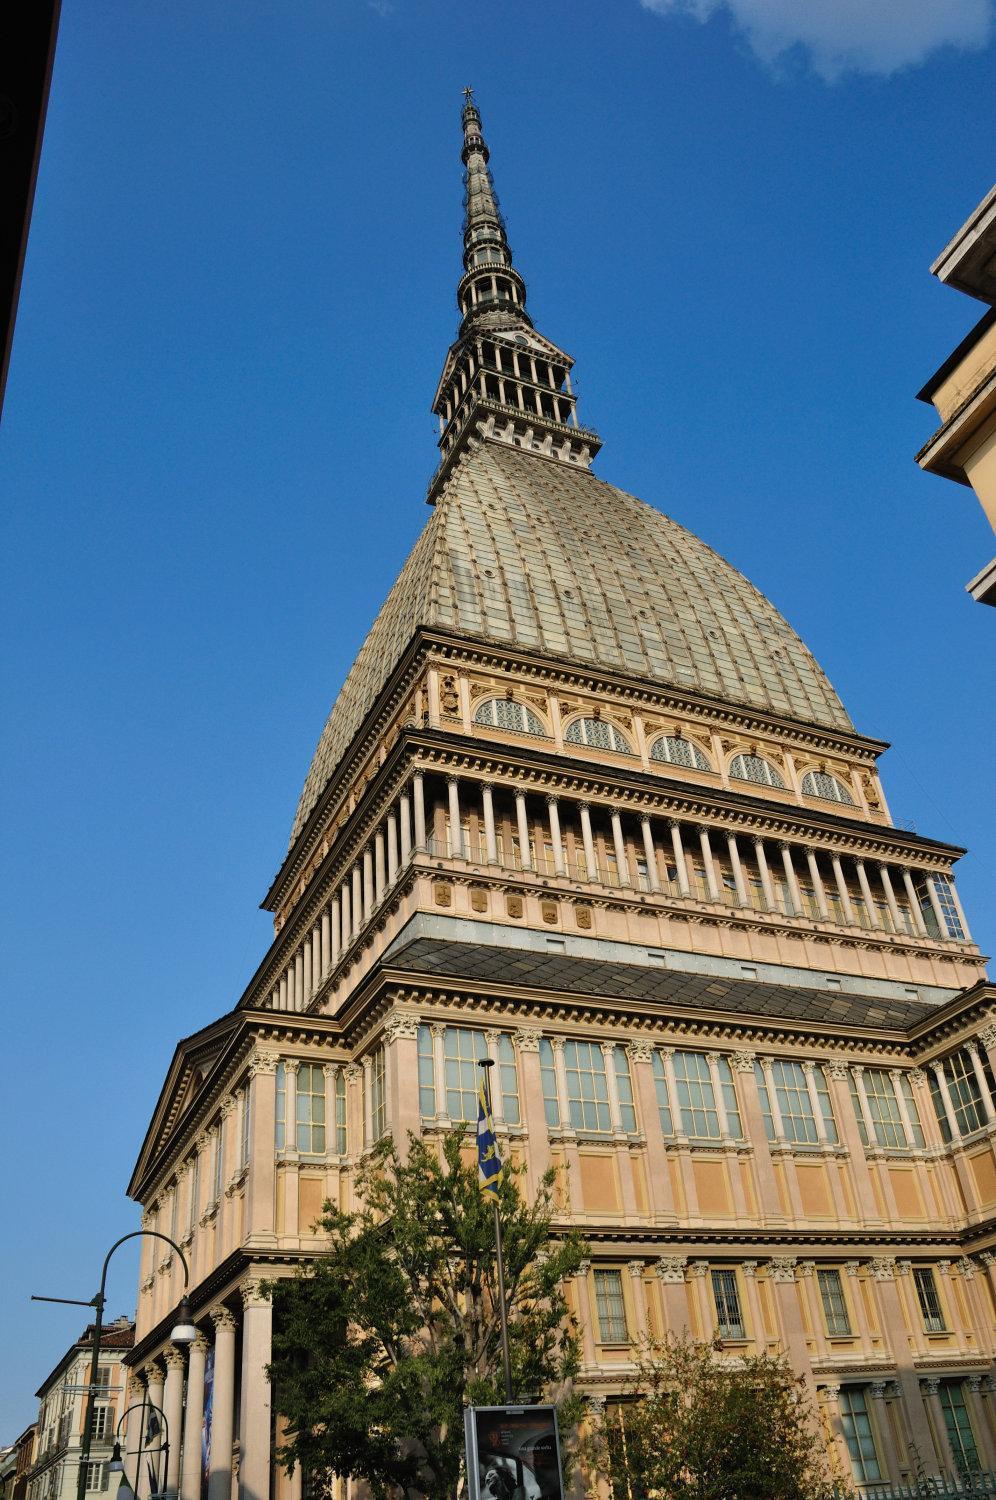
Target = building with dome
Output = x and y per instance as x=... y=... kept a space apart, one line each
x=587 y=805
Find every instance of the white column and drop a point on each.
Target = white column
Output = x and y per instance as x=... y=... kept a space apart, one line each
x=173 y=1412
x=306 y=983
x=712 y=1058
x=972 y=1048
x=809 y=1069
x=497 y=1099
x=942 y=1084
x=193 y=1421
x=380 y=867
x=743 y=895
x=609 y=1064
x=222 y=1406
x=392 y=848
x=914 y=901
x=650 y=853
x=283 y=1003
x=346 y=903
x=773 y=1105
x=522 y=822
x=890 y=898
x=896 y=1074
x=793 y=884
x=299 y=980
x=405 y=819
x=326 y=942
x=368 y=1100
x=456 y=849
x=490 y=837
x=858 y=1074
x=842 y=891
x=335 y=945
x=762 y=865
x=667 y=1058
x=818 y=887
x=958 y=907
x=591 y=863
x=418 y=807
x=560 y=1068
x=290 y=1106
x=368 y=883
x=942 y=925
x=254 y=1403
x=439 y=1069
x=357 y=880
x=619 y=844
x=553 y=812
x=873 y=916
x=679 y=858
x=710 y=868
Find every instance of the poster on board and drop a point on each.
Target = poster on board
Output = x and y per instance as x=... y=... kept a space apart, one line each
x=513 y=1453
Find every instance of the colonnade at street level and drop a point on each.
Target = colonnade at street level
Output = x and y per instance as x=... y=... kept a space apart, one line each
x=599 y=846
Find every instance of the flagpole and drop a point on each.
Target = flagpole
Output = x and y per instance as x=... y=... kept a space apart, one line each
x=487 y=1063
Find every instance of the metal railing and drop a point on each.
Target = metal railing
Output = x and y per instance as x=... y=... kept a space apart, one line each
x=980 y=1486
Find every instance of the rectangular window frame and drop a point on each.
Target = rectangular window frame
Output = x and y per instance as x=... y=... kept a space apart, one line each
x=610 y=1306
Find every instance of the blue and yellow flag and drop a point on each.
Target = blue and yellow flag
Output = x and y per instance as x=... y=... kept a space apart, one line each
x=488 y=1160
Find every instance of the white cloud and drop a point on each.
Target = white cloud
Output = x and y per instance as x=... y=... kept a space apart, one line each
x=839 y=36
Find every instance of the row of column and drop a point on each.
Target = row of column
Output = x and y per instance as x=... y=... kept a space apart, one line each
x=360 y=892
x=237 y=1394
x=703 y=837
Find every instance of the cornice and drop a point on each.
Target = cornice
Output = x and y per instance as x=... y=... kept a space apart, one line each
x=474 y=650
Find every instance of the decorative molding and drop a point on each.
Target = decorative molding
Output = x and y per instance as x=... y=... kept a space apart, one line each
x=527 y=1038
x=743 y=1062
x=781 y=1268
x=402 y=1026
x=883 y=1267
x=641 y=1050
x=671 y=1270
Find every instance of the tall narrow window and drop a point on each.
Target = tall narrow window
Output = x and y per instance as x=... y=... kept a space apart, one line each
x=378 y=1095
x=959 y=1427
x=508 y=1079
x=729 y=1318
x=280 y=1114
x=660 y=1088
x=426 y=1075
x=942 y=890
x=697 y=1103
x=835 y=1312
x=883 y=1106
x=927 y=1296
x=624 y=1088
x=963 y=1087
x=587 y=1088
x=794 y=1103
x=244 y=1133
x=219 y=1157
x=610 y=1306
x=462 y=1049
x=193 y=1204
x=340 y=1111
x=858 y=1433
x=548 y=1077
x=310 y=1110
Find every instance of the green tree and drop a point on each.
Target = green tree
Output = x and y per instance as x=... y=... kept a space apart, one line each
x=701 y=1426
x=381 y=1341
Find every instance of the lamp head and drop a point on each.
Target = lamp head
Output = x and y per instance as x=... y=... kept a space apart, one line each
x=116 y=1466
x=184 y=1331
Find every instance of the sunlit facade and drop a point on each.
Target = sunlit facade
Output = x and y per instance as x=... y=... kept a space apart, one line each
x=587 y=805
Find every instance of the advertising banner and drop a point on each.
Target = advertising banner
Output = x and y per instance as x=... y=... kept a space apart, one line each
x=206 y=1424
x=513 y=1453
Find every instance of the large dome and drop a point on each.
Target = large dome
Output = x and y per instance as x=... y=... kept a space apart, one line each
x=524 y=551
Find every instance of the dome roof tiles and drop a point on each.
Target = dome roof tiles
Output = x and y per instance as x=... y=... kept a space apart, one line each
x=525 y=551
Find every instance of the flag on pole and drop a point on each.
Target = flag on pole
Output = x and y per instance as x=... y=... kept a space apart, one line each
x=488 y=1160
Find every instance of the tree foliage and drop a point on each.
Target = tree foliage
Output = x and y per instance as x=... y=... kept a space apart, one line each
x=701 y=1426
x=381 y=1341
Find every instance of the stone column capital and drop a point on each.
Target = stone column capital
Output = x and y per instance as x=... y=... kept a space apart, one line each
x=781 y=1268
x=635 y=1268
x=671 y=1270
x=401 y=1026
x=175 y=1359
x=201 y=1344
x=557 y=1043
x=883 y=1267
x=527 y=1038
x=252 y=1294
x=641 y=1051
x=749 y=1268
x=743 y=1062
x=987 y=1035
x=221 y=1317
x=917 y=1077
x=836 y=1069
x=930 y=1386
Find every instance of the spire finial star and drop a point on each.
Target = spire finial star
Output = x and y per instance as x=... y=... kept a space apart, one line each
x=468 y=94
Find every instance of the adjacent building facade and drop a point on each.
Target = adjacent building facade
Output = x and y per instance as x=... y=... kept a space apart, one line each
x=963 y=390
x=48 y=1468
x=587 y=805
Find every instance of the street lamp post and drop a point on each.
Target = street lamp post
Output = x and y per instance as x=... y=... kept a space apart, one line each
x=183 y=1332
x=117 y=1465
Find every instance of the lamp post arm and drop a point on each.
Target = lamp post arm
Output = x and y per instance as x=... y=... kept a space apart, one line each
x=98 y=1325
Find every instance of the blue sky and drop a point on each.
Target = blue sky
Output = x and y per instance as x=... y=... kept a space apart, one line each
x=238 y=293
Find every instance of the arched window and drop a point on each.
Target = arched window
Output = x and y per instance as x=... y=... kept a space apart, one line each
x=822 y=784
x=753 y=768
x=675 y=750
x=504 y=713
x=598 y=734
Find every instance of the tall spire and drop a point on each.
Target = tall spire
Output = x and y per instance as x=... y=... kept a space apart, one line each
x=502 y=381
